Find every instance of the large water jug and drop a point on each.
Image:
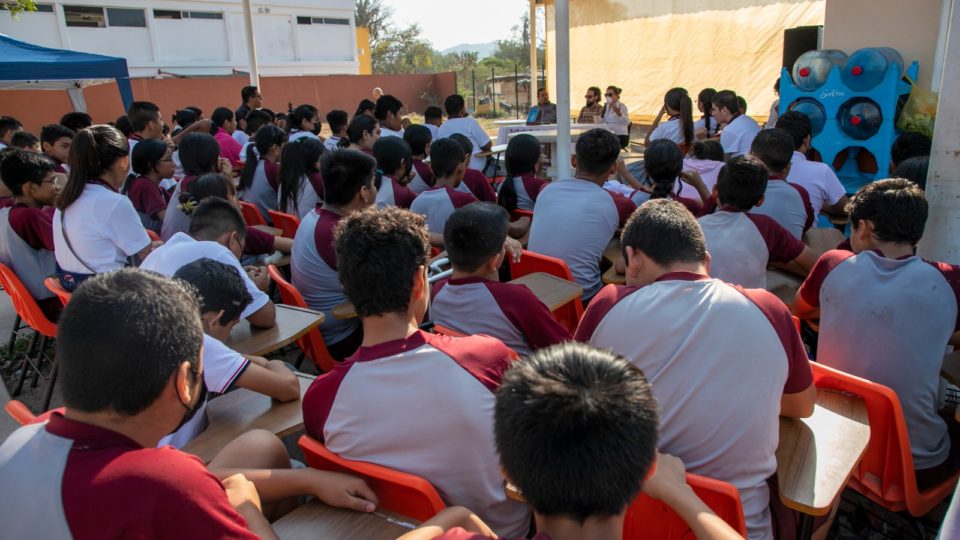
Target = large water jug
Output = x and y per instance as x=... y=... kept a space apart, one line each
x=866 y=67
x=860 y=118
x=813 y=110
x=812 y=67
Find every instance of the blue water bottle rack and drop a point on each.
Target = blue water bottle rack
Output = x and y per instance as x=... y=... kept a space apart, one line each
x=830 y=142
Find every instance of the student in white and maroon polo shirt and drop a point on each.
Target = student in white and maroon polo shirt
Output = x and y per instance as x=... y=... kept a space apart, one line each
x=887 y=315
x=437 y=203
x=742 y=244
x=473 y=301
x=724 y=362
x=95 y=471
x=826 y=192
x=738 y=128
x=419 y=139
x=786 y=202
x=432 y=415
x=395 y=161
x=474 y=181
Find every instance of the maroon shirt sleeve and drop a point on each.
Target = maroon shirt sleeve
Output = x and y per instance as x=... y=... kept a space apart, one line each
x=799 y=374
x=599 y=306
x=402 y=195
x=460 y=199
x=782 y=246
x=532 y=185
x=484 y=357
x=810 y=289
x=317 y=182
x=33 y=226
x=273 y=173
x=424 y=171
x=952 y=274
x=258 y=242
x=479 y=185
x=845 y=245
x=805 y=195
x=528 y=314
x=319 y=398
x=147 y=197
x=625 y=207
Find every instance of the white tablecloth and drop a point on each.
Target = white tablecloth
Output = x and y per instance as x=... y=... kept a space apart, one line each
x=503 y=133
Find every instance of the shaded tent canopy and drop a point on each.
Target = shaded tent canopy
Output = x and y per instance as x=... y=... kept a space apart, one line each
x=24 y=66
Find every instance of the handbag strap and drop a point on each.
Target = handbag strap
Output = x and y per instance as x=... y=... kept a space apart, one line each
x=66 y=238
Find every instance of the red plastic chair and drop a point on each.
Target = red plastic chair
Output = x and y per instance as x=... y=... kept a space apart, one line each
x=447 y=331
x=885 y=475
x=153 y=236
x=399 y=492
x=251 y=214
x=650 y=518
x=311 y=343
x=518 y=213
x=287 y=223
x=28 y=310
x=23 y=416
x=53 y=285
x=568 y=314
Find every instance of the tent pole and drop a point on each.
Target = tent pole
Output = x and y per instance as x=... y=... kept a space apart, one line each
x=251 y=43
x=562 y=13
x=533 y=53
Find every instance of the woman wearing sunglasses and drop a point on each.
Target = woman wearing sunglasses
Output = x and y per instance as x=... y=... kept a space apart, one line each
x=616 y=116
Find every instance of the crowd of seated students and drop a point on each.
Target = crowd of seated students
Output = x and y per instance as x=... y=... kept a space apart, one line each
x=698 y=231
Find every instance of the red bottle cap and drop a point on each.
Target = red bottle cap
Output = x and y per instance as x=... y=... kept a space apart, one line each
x=855 y=120
x=805 y=72
x=857 y=70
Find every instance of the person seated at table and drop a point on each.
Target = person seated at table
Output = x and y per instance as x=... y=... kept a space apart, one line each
x=616 y=115
x=55 y=144
x=300 y=185
x=337 y=120
x=349 y=184
x=474 y=181
x=199 y=154
x=26 y=229
x=786 y=202
x=255 y=120
x=223 y=297
x=522 y=184
x=437 y=203
x=433 y=119
x=25 y=140
x=395 y=160
x=126 y=385
x=874 y=314
x=387 y=113
x=473 y=301
x=678 y=128
x=217 y=231
x=694 y=361
x=152 y=161
x=543 y=112
x=706 y=159
x=304 y=121
x=260 y=179
x=419 y=139
x=742 y=244
x=576 y=392
x=738 y=128
x=458 y=121
x=706 y=126
x=663 y=164
x=362 y=132
x=907 y=145
x=592 y=112
x=826 y=193
x=224 y=124
x=576 y=217
x=434 y=394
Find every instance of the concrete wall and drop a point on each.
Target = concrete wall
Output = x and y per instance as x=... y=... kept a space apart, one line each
x=38 y=107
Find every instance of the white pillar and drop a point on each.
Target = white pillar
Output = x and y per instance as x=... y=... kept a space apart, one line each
x=533 y=53
x=251 y=43
x=941 y=239
x=563 y=88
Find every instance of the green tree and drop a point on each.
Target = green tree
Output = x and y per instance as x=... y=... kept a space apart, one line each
x=15 y=7
x=374 y=16
x=402 y=51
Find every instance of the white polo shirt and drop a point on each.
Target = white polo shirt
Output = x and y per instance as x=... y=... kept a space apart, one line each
x=670 y=129
x=331 y=142
x=738 y=135
x=104 y=229
x=182 y=250
x=387 y=132
x=240 y=136
x=470 y=128
x=298 y=134
x=818 y=179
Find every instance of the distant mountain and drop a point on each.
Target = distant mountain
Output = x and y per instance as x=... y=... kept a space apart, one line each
x=483 y=50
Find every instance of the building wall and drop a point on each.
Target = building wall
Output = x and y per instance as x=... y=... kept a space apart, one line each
x=363 y=51
x=34 y=108
x=205 y=46
x=647 y=47
x=909 y=27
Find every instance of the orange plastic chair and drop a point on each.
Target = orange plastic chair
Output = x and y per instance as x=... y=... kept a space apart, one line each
x=517 y=213
x=311 y=343
x=885 y=475
x=399 y=492
x=287 y=223
x=53 y=285
x=28 y=310
x=22 y=415
x=650 y=518
x=568 y=314
x=251 y=214
x=447 y=331
x=153 y=236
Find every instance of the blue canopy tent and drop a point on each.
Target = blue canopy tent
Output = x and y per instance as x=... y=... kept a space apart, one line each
x=24 y=66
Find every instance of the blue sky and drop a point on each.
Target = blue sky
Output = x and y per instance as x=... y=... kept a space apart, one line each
x=477 y=21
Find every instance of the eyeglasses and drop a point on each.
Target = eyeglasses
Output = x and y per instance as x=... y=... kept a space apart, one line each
x=55 y=181
x=609 y=95
x=378 y=179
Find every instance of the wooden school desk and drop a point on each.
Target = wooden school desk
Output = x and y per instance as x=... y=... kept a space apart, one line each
x=950 y=370
x=613 y=254
x=816 y=455
x=292 y=324
x=316 y=520
x=237 y=412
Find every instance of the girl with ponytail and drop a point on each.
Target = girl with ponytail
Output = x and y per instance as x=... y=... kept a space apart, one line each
x=152 y=162
x=663 y=164
x=706 y=126
x=679 y=125
x=260 y=178
x=199 y=154
x=362 y=132
x=95 y=228
x=301 y=187
x=521 y=186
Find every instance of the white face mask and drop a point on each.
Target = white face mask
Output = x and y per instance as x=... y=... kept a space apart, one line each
x=609 y=100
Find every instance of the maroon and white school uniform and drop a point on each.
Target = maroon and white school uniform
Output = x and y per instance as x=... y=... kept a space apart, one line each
x=639 y=196
x=718 y=390
x=68 y=479
x=436 y=204
x=506 y=311
x=309 y=196
x=263 y=189
x=788 y=204
x=576 y=219
x=423 y=177
x=741 y=245
x=148 y=200
x=528 y=188
x=26 y=246
x=422 y=405
x=888 y=321
x=174 y=220
x=391 y=193
x=476 y=183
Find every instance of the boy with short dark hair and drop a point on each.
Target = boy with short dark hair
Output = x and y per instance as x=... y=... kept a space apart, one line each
x=433 y=119
x=742 y=244
x=395 y=160
x=337 y=120
x=55 y=143
x=826 y=192
x=458 y=121
x=444 y=386
x=250 y=98
x=738 y=128
x=419 y=139
x=473 y=301
x=880 y=305
x=785 y=202
x=437 y=203
x=387 y=112
x=75 y=121
x=907 y=145
x=25 y=140
x=8 y=126
x=473 y=180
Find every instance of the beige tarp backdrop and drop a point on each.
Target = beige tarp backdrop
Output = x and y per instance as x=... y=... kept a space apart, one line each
x=648 y=46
